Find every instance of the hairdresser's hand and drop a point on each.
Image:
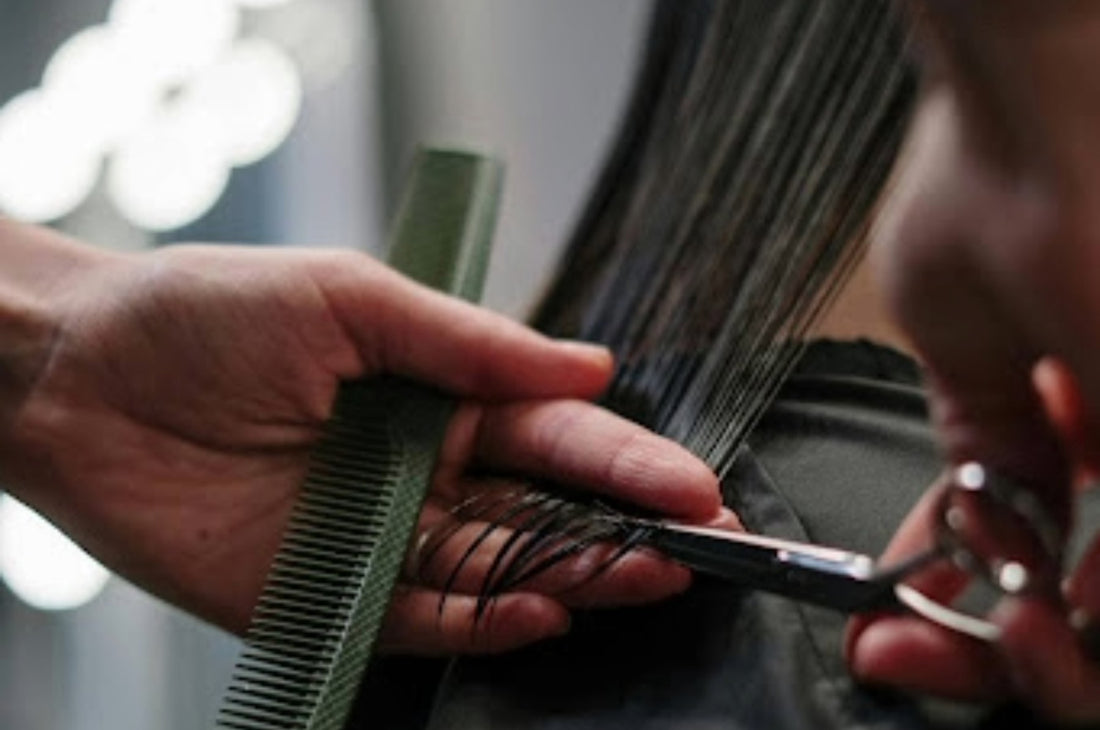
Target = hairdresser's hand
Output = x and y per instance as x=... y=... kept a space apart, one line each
x=571 y=442
x=990 y=254
x=161 y=407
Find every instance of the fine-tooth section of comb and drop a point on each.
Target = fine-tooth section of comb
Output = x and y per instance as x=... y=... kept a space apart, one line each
x=314 y=628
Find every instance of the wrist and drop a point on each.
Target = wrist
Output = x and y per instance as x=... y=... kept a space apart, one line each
x=38 y=268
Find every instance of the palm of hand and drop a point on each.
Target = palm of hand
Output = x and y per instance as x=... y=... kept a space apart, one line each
x=187 y=403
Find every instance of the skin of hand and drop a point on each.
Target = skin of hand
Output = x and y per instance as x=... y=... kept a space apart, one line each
x=160 y=409
x=989 y=253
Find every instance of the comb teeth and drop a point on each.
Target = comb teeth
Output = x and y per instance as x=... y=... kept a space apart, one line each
x=289 y=668
x=314 y=628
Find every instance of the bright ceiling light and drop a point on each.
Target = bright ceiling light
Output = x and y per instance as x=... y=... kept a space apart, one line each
x=175 y=37
x=103 y=84
x=324 y=38
x=261 y=3
x=256 y=94
x=172 y=172
x=47 y=166
x=167 y=94
x=42 y=566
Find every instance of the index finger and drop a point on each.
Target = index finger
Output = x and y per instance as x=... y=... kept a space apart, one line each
x=581 y=444
x=402 y=327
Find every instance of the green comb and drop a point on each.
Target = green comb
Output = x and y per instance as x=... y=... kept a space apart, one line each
x=314 y=628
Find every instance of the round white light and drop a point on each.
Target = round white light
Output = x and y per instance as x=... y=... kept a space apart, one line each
x=175 y=38
x=324 y=38
x=171 y=173
x=261 y=3
x=47 y=167
x=105 y=87
x=256 y=94
x=42 y=566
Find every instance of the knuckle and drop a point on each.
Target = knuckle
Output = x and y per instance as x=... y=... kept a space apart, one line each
x=555 y=430
x=629 y=459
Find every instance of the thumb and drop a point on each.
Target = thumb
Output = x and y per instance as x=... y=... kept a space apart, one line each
x=401 y=327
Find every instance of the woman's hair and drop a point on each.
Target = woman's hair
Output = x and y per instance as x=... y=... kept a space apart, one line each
x=737 y=199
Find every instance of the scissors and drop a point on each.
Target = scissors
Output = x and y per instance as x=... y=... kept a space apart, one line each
x=981 y=516
x=852 y=582
x=829 y=577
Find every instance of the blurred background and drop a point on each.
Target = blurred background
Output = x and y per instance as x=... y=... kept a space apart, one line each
x=138 y=123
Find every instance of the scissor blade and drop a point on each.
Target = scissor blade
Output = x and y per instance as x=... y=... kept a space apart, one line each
x=838 y=579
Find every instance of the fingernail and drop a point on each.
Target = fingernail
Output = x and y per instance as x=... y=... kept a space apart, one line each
x=728 y=519
x=587 y=350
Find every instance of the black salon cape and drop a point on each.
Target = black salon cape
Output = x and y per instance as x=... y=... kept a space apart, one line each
x=840 y=457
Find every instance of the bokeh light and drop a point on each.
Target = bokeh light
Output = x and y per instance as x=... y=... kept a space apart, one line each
x=167 y=95
x=102 y=83
x=255 y=92
x=170 y=173
x=42 y=566
x=260 y=4
x=47 y=166
x=175 y=38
